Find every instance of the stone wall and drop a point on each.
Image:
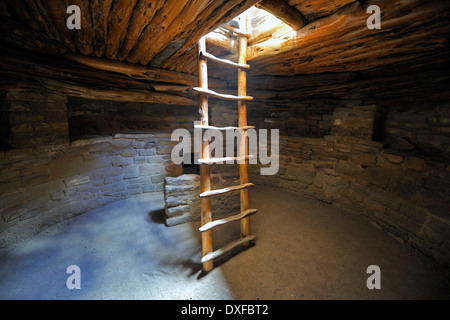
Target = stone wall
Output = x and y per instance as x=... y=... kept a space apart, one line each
x=404 y=194
x=92 y=118
x=424 y=131
x=307 y=118
x=31 y=119
x=41 y=186
x=182 y=203
x=327 y=151
x=45 y=179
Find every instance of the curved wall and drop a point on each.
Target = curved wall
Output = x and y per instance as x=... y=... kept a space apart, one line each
x=326 y=152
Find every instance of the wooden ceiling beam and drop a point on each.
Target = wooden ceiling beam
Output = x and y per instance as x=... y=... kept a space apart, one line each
x=84 y=35
x=144 y=14
x=136 y=71
x=280 y=9
x=166 y=14
x=19 y=70
x=208 y=20
x=342 y=42
x=177 y=28
x=100 y=12
x=118 y=19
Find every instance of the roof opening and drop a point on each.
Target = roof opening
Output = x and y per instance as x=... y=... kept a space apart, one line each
x=262 y=25
x=258 y=23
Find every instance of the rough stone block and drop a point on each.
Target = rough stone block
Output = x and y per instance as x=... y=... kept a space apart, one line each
x=29 y=215
x=8 y=174
x=371 y=204
x=392 y=157
x=121 y=144
x=44 y=189
x=162 y=149
x=390 y=161
x=35 y=175
x=302 y=174
x=348 y=168
x=147 y=152
x=10 y=186
x=415 y=164
x=128 y=153
x=364 y=159
x=90 y=141
x=376 y=175
x=148 y=169
x=18 y=153
x=120 y=161
x=76 y=181
x=106 y=172
x=66 y=166
x=12 y=213
x=130 y=172
x=159 y=178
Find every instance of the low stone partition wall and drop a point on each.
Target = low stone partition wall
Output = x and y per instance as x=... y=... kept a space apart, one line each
x=182 y=203
x=48 y=184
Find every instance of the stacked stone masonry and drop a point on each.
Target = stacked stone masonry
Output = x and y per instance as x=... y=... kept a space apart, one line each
x=45 y=179
x=329 y=149
x=183 y=203
x=50 y=184
x=403 y=194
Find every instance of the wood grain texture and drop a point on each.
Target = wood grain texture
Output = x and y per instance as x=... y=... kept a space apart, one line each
x=119 y=17
x=205 y=178
x=66 y=77
x=141 y=72
x=341 y=42
x=283 y=11
x=166 y=14
x=336 y=39
x=214 y=14
x=177 y=29
x=100 y=12
x=318 y=8
x=220 y=222
x=143 y=15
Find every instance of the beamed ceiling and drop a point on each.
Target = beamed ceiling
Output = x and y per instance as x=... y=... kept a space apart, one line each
x=142 y=42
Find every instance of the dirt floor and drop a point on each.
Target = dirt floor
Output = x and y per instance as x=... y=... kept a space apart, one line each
x=305 y=249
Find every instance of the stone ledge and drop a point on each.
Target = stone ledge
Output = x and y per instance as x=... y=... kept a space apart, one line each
x=90 y=141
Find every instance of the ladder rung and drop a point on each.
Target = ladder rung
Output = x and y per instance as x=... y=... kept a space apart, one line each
x=216 y=192
x=221 y=95
x=200 y=126
x=224 y=159
x=211 y=57
x=219 y=222
x=228 y=247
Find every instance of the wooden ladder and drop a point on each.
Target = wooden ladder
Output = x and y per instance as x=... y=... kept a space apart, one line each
x=207 y=224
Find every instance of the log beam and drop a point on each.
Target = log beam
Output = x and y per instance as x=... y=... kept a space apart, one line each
x=341 y=42
x=284 y=12
x=72 y=79
x=136 y=71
